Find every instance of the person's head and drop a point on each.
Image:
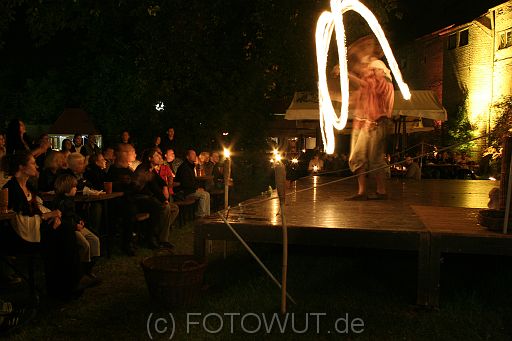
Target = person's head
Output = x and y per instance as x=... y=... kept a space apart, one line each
x=157 y=140
x=2 y=140
x=108 y=154
x=170 y=133
x=191 y=156
x=16 y=127
x=22 y=164
x=408 y=160
x=43 y=139
x=66 y=145
x=153 y=156
x=98 y=160
x=54 y=161
x=91 y=139
x=214 y=157
x=66 y=184
x=204 y=157
x=169 y=155
x=77 y=140
x=380 y=69
x=125 y=136
x=125 y=154
x=76 y=163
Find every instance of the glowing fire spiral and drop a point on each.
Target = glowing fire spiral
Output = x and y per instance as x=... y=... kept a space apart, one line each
x=324 y=27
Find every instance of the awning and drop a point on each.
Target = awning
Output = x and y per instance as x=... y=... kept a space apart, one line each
x=73 y=121
x=423 y=104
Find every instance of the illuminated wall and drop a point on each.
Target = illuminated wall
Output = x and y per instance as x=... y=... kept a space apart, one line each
x=471 y=62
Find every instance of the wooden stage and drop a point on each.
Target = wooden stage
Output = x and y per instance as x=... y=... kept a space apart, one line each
x=430 y=217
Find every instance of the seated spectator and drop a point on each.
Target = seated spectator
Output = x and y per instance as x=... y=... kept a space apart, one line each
x=35 y=222
x=316 y=164
x=413 y=169
x=203 y=158
x=123 y=180
x=155 y=198
x=187 y=184
x=95 y=172
x=53 y=167
x=171 y=160
x=215 y=169
x=66 y=145
x=90 y=145
x=109 y=156
x=76 y=167
x=88 y=243
x=43 y=143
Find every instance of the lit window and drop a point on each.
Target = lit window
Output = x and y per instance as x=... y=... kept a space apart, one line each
x=505 y=40
x=452 y=41
x=464 y=38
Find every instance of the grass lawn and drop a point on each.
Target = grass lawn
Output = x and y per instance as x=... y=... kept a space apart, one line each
x=379 y=287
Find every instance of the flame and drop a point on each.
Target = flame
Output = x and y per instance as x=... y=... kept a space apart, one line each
x=324 y=28
x=227 y=153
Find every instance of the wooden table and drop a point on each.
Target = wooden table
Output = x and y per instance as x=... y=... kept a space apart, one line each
x=106 y=236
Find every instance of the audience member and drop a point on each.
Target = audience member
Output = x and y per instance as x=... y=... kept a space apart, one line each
x=154 y=198
x=125 y=137
x=35 y=222
x=66 y=145
x=88 y=243
x=78 y=146
x=168 y=141
x=95 y=172
x=91 y=146
x=53 y=167
x=186 y=183
x=109 y=156
x=43 y=143
x=413 y=169
x=316 y=164
x=16 y=139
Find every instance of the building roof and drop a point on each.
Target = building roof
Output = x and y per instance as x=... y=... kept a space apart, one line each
x=74 y=121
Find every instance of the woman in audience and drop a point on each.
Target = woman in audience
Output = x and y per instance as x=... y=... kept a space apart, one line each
x=17 y=140
x=37 y=228
x=53 y=167
x=66 y=145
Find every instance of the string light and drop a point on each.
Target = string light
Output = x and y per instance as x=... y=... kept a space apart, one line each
x=327 y=22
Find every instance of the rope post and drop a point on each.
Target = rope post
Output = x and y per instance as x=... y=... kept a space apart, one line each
x=227 y=177
x=280 y=176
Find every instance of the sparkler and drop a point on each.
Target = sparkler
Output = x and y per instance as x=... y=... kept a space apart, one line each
x=327 y=22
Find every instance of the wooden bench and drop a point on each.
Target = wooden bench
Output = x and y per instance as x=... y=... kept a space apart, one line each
x=187 y=210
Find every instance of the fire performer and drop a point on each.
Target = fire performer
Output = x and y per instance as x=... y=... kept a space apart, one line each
x=373 y=107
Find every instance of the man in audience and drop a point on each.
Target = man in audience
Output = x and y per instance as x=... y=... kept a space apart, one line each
x=109 y=156
x=186 y=183
x=413 y=169
x=168 y=141
x=78 y=146
x=91 y=147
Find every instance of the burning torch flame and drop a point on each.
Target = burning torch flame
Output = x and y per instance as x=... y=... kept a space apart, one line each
x=325 y=25
x=227 y=153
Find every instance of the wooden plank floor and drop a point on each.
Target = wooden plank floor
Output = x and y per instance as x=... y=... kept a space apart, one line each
x=412 y=206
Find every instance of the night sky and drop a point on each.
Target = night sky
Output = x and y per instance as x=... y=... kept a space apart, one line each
x=423 y=16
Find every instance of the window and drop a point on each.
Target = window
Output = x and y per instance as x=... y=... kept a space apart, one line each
x=452 y=41
x=464 y=38
x=505 y=40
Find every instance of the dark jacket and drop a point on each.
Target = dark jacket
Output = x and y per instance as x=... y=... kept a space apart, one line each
x=152 y=183
x=18 y=201
x=95 y=176
x=187 y=178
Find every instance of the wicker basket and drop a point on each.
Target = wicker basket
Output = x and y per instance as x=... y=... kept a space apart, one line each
x=493 y=220
x=173 y=280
